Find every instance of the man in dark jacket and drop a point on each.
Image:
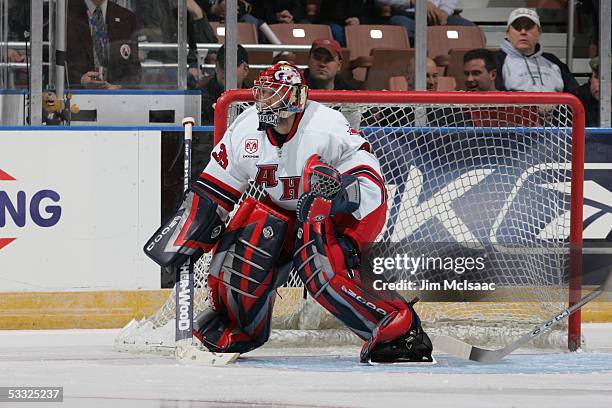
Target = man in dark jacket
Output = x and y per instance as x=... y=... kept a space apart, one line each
x=521 y=64
x=214 y=86
x=324 y=64
x=157 y=22
x=101 y=48
x=589 y=95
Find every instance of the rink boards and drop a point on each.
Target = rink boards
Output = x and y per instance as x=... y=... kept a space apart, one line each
x=77 y=205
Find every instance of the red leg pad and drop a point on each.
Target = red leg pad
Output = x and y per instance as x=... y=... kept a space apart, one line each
x=320 y=262
x=242 y=276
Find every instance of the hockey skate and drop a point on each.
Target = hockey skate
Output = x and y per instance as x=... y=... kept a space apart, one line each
x=412 y=347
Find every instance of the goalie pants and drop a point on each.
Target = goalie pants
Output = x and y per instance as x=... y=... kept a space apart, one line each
x=249 y=264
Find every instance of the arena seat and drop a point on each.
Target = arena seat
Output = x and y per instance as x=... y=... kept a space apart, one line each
x=301 y=34
x=247 y=34
x=441 y=39
x=446 y=84
x=397 y=83
x=362 y=38
x=386 y=63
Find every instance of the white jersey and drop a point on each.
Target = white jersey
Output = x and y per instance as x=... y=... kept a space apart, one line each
x=244 y=154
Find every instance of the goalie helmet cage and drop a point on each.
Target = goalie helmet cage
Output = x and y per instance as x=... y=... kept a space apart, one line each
x=496 y=168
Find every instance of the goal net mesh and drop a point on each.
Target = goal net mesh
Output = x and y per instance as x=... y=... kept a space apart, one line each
x=494 y=178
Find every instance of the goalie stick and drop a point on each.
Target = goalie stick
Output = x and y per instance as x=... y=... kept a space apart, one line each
x=186 y=350
x=460 y=349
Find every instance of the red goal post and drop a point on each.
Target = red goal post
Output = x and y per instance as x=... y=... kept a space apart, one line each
x=467 y=99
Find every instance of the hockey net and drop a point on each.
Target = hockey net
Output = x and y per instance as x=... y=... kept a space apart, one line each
x=498 y=172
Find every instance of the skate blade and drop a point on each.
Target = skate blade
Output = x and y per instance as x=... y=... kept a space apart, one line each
x=406 y=363
x=194 y=355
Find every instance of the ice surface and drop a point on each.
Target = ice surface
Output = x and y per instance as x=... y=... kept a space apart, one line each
x=93 y=375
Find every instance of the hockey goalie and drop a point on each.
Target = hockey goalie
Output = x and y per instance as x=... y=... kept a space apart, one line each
x=325 y=200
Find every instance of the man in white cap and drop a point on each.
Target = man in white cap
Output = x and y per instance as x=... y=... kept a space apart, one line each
x=521 y=64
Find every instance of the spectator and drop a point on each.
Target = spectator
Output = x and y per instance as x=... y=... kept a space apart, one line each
x=281 y=11
x=17 y=14
x=589 y=95
x=521 y=63
x=216 y=8
x=101 y=49
x=340 y=13
x=432 y=75
x=157 y=22
x=324 y=64
x=213 y=87
x=479 y=70
x=439 y=12
x=431 y=72
x=216 y=12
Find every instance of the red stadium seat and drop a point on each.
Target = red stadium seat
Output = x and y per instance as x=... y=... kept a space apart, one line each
x=387 y=63
x=247 y=33
x=446 y=84
x=361 y=39
x=301 y=34
x=442 y=39
x=398 y=83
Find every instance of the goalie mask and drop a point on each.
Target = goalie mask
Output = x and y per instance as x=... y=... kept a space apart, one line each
x=280 y=91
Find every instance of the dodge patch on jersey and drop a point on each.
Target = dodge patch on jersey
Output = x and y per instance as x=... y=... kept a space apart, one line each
x=251 y=145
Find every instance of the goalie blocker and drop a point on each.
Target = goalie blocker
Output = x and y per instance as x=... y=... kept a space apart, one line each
x=191 y=231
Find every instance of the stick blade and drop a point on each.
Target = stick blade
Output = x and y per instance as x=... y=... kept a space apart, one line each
x=464 y=351
x=195 y=355
x=452 y=346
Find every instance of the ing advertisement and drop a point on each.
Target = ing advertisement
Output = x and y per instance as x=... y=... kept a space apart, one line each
x=76 y=207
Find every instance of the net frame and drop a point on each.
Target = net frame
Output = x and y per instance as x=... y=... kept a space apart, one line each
x=224 y=110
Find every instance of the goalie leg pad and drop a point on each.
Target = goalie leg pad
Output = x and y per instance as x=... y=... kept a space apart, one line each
x=321 y=264
x=242 y=277
x=192 y=230
x=222 y=336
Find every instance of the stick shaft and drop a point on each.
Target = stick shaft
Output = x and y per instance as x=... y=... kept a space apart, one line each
x=184 y=288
